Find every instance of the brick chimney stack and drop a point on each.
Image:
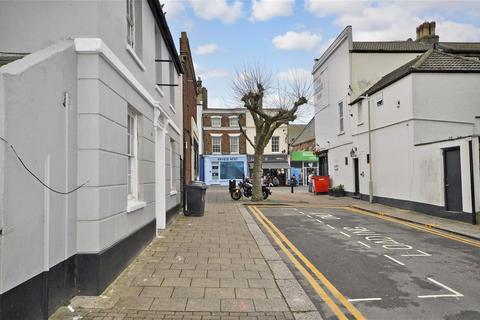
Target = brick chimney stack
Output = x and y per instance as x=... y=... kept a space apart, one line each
x=426 y=32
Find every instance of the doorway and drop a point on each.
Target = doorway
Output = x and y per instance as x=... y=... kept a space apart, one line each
x=215 y=171
x=357 y=177
x=453 y=179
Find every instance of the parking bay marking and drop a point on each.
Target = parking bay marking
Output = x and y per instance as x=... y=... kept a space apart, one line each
x=345 y=234
x=363 y=244
x=394 y=260
x=455 y=294
x=364 y=299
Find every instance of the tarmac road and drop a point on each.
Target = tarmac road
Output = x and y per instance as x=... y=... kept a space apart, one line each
x=382 y=269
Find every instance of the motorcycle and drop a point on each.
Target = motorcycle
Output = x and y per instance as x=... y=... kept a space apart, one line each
x=245 y=188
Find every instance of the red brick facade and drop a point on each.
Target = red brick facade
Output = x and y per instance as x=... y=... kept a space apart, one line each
x=225 y=130
x=190 y=92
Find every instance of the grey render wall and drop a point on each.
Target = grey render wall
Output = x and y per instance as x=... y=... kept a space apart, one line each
x=39 y=226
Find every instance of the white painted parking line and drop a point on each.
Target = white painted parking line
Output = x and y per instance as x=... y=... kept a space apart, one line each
x=454 y=293
x=363 y=244
x=394 y=260
x=330 y=227
x=309 y=216
x=301 y=212
x=319 y=220
x=345 y=234
x=422 y=254
x=365 y=299
x=295 y=209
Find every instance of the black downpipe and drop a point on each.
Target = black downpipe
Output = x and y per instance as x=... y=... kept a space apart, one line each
x=472 y=186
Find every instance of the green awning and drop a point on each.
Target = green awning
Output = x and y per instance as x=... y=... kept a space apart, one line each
x=303 y=156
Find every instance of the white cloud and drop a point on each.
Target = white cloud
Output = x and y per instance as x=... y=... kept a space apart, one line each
x=214 y=73
x=206 y=49
x=452 y=31
x=397 y=20
x=296 y=41
x=173 y=7
x=218 y=9
x=295 y=73
x=322 y=8
x=263 y=10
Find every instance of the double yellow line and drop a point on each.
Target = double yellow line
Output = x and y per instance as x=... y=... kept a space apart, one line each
x=283 y=243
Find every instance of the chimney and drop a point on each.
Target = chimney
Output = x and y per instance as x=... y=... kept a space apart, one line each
x=426 y=33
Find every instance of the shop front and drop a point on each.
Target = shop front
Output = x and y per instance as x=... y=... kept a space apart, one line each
x=303 y=164
x=218 y=170
x=275 y=168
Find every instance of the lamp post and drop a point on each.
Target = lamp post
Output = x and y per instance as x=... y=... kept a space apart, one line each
x=370 y=179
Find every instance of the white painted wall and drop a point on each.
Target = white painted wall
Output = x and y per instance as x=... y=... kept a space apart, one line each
x=103 y=79
x=368 y=68
x=281 y=132
x=39 y=226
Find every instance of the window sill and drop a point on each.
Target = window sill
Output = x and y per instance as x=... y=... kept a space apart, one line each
x=160 y=91
x=216 y=153
x=134 y=205
x=360 y=124
x=341 y=133
x=172 y=108
x=234 y=152
x=173 y=192
x=135 y=57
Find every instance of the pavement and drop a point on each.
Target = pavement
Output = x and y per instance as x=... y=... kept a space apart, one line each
x=302 y=196
x=219 y=266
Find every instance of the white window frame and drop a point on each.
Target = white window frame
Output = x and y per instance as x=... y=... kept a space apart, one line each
x=277 y=138
x=214 y=136
x=131 y=23
x=237 y=137
x=379 y=99
x=233 y=121
x=341 y=117
x=360 y=113
x=172 y=160
x=133 y=202
x=212 y=118
x=132 y=153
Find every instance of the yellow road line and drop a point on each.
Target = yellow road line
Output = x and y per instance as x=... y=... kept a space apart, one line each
x=418 y=227
x=354 y=311
x=330 y=303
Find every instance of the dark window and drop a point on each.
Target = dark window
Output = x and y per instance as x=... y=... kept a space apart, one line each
x=368 y=158
x=346 y=161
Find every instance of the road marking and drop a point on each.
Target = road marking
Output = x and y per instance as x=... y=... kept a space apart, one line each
x=330 y=227
x=365 y=299
x=301 y=212
x=416 y=226
x=331 y=304
x=319 y=220
x=454 y=293
x=394 y=260
x=363 y=244
x=345 y=234
x=422 y=254
x=295 y=209
x=309 y=216
x=334 y=291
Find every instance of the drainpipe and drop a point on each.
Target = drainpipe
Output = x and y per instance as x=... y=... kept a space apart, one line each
x=472 y=186
x=370 y=179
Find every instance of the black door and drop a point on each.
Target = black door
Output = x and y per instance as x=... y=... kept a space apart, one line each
x=357 y=176
x=453 y=179
x=323 y=165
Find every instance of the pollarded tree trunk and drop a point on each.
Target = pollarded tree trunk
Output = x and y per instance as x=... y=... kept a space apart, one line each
x=257 y=176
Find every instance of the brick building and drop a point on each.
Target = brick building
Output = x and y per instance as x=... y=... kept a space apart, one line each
x=224 y=147
x=191 y=135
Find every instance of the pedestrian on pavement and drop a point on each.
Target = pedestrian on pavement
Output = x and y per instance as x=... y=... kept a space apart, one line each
x=293 y=182
x=310 y=186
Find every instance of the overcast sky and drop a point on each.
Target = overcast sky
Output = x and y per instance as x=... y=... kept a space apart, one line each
x=286 y=35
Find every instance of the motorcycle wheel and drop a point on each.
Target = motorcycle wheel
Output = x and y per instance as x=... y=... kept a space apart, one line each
x=265 y=195
x=236 y=195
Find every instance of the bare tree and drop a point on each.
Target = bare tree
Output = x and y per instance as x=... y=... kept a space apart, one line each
x=252 y=85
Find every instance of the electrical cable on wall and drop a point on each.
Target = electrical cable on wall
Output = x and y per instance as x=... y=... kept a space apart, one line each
x=37 y=178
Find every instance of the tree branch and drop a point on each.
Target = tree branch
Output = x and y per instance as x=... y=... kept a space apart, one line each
x=245 y=135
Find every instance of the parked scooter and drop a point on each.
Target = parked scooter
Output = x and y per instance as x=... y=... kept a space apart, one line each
x=245 y=188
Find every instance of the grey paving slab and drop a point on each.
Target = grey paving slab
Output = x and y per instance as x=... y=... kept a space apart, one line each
x=237 y=305
x=220 y=293
x=203 y=305
x=135 y=303
x=250 y=293
x=157 y=292
x=274 y=304
x=172 y=304
x=188 y=292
